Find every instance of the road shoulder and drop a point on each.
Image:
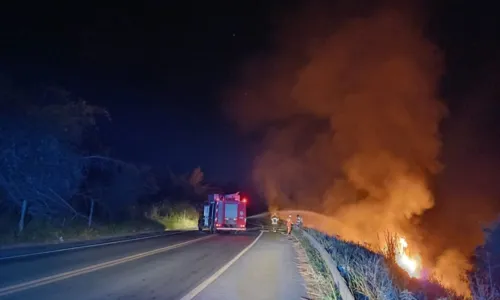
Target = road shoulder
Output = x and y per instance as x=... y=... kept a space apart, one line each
x=267 y=271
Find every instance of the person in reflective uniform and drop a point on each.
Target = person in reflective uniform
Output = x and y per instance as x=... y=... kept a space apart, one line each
x=274 y=222
x=299 y=221
x=289 y=225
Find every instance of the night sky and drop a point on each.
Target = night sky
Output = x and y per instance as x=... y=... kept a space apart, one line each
x=160 y=68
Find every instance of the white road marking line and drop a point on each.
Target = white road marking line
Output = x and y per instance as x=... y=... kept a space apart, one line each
x=57 y=277
x=193 y=293
x=87 y=246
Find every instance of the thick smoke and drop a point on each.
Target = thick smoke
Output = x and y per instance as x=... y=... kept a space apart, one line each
x=357 y=127
x=375 y=80
x=351 y=126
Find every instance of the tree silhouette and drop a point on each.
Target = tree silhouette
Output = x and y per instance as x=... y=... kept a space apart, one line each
x=41 y=167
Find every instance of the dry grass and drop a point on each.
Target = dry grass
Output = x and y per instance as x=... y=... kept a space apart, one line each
x=43 y=231
x=367 y=273
x=484 y=289
x=319 y=283
x=182 y=216
x=482 y=283
x=371 y=275
x=399 y=276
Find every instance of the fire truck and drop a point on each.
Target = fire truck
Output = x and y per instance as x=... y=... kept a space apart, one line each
x=223 y=213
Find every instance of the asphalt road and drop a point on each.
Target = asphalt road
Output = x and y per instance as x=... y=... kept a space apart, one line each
x=268 y=271
x=10 y=251
x=167 y=267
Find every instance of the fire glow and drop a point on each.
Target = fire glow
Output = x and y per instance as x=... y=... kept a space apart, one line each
x=410 y=264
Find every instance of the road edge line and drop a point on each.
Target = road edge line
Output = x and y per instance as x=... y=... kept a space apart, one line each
x=194 y=292
x=88 y=246
x=69 y=274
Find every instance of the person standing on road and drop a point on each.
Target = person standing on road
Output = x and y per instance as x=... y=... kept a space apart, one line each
x=274 y=222
x=289 y=225
x=299 y=221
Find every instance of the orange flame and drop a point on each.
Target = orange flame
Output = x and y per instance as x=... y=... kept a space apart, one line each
x=411 y=265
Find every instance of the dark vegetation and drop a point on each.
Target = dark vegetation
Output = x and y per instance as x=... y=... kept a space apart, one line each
x=58 y=180
x=485 y=280
x=371 y=275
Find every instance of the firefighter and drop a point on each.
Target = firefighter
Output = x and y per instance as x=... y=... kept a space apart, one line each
x=274 y=222
x=299 y=221
x=289 y=225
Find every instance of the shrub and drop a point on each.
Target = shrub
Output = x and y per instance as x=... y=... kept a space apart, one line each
x=179 y=216
x=58 y=230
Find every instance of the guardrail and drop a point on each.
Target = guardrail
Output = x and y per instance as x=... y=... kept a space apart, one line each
x=345 y=292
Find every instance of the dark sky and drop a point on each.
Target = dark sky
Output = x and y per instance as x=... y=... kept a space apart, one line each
x=160 y=67
x=157 y=67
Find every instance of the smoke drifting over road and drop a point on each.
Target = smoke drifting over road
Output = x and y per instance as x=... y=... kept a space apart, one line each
x=351 y=124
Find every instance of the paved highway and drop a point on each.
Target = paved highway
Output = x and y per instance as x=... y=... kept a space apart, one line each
x=188 y=265
x=268 y=271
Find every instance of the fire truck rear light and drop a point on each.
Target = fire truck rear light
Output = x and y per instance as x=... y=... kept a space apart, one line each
x=242 y=225
x=217 y=225
x=244 y=200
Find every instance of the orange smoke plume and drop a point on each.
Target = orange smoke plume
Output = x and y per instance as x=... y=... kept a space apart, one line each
x=351 y=124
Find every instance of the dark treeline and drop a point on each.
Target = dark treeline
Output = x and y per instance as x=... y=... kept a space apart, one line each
x=56 y=171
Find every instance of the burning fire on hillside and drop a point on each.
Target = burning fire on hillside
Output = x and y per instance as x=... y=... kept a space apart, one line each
x=394 y=247
x=411 y=264
x=351 y=129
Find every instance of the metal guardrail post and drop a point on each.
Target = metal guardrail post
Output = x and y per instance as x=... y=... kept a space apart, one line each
x=344 y=291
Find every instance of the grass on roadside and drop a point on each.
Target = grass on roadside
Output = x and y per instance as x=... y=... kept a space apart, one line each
x=318 y=279
x=367 y=273
x=43 y=231
x=181 y=216
x=38 y=231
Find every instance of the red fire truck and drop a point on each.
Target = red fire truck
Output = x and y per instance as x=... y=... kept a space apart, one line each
x=224 y=213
